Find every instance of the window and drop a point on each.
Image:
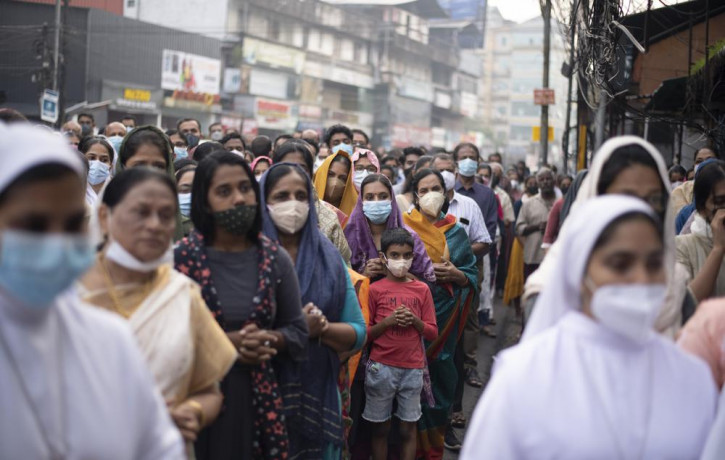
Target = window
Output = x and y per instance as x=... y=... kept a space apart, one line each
x=361 y=53
x=130 y=3
x=347 y=50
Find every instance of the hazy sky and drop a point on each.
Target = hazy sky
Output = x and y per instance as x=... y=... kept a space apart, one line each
x=517 y=10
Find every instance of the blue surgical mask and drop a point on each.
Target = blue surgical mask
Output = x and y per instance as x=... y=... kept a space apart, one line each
x=377 y=211
x=185 y=204
x=98 y=172
x=181 y=153
x=115 y=142
x=344 y=147
x=36 y=267
x=467 y=167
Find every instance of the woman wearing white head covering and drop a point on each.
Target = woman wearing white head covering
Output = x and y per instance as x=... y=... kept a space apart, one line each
x=631 y=177
x=591 y=379
x=74 y=384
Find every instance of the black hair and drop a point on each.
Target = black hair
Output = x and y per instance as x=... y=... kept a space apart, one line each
x=129 y=117
x=708 y=177
x=390 y=158
x=393 y=236
x=261 y=146
x=443 y=157
x=184 y=120
x=609 y=230
x=485 y=166
x=263 y=160
x=183 y=137
x=282 y=136
x=40 y=173
x=500 y=157
x=88 y=115
x=364 y=134
x=89 y=141
x=413 y=151
x=201 y=214
x=86 y=163
x=207 y=148
x=126 y=180
x=678 y=170
x=294 y=146
x=371 y=178
x=8 y=115
x=215 y=124
x=182 y=164
x=312 y=142
x=621 y=159
x=231 y=136
x=423 y=161
x=468 y=145
x=335 y=129
x=276 y=174
x=180 y=171
x=139 y=137
x=526 y=181
x=422 y=174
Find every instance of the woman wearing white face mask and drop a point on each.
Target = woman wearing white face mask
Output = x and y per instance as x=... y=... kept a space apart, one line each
x=454 y=265
x=74 y=384
x=364 y=163
x=184 y=347
x=591 y=378
x=100 y=155
x=333 y=314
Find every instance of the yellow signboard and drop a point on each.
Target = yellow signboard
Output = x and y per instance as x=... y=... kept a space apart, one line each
x=134 y=94
x=536 y=133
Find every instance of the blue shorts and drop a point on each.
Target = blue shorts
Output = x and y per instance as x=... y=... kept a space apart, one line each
x=384 y=383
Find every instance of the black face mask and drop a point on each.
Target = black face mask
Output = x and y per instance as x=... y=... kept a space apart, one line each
x=408 y=171
x=86 y=129
x=494 y=181
x=237 y=220
x=564 y=190
x=532 y=190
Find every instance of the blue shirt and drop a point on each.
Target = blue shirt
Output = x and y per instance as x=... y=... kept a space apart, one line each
x=485 y=198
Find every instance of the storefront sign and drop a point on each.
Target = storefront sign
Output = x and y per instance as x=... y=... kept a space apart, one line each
x=312 y=112
x=272 y=114
x=131 y=97
x=190 y=73
x=232 y=80
x=259 y=52
x=415 y=89
x=407 y=135
x=358 y=78
x=268 y=83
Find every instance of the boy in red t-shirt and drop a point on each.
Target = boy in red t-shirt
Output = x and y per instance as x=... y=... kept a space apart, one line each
x=401 y=311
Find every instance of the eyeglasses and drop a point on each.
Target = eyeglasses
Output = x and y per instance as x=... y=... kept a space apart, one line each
x=371 y=169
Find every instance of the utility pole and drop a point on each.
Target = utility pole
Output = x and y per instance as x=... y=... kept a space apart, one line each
x=565 y=134
x=544 y=133
x=56 y=46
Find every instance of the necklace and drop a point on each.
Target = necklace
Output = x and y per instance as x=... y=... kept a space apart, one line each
x=56 y=452
x=117 y=306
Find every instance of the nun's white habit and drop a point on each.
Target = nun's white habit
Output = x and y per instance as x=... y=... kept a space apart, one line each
x=575 y=389
x=73 y=383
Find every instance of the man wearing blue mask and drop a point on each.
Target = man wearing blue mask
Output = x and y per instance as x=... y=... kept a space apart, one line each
x=74 y=384
x=115 y=132
x=339 y=137
x=129 y=122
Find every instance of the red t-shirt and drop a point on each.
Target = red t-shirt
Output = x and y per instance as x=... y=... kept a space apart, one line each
x=397 y=346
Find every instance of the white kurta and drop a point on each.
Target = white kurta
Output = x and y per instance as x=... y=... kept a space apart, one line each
x=87 y=379
x=579 y=391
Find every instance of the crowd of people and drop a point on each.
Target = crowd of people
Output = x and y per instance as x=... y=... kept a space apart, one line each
x=211 y=295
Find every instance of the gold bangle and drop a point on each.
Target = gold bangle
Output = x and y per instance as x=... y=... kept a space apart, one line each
x=199 y=410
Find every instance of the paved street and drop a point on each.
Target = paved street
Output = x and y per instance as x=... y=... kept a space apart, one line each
x=508 y=327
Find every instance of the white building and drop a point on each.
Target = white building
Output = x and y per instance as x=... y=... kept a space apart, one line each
x=513 y=68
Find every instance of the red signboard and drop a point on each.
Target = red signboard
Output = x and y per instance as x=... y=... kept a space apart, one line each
x=544 y=96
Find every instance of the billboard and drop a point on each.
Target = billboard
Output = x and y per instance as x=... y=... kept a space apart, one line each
x=190 y=73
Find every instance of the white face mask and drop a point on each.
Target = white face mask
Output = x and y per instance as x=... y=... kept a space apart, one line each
x=289 y=216
x=399 y=268
x=358 y=178
x=450 y=180
x=122 y=257
x=431 y=203
x=628 y=309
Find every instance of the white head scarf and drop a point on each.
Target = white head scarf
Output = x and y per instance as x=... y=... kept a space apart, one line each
x=562 y=293
x=24 y=146
x=588 y=190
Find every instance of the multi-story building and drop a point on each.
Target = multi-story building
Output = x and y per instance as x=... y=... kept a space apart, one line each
x=513 y=68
